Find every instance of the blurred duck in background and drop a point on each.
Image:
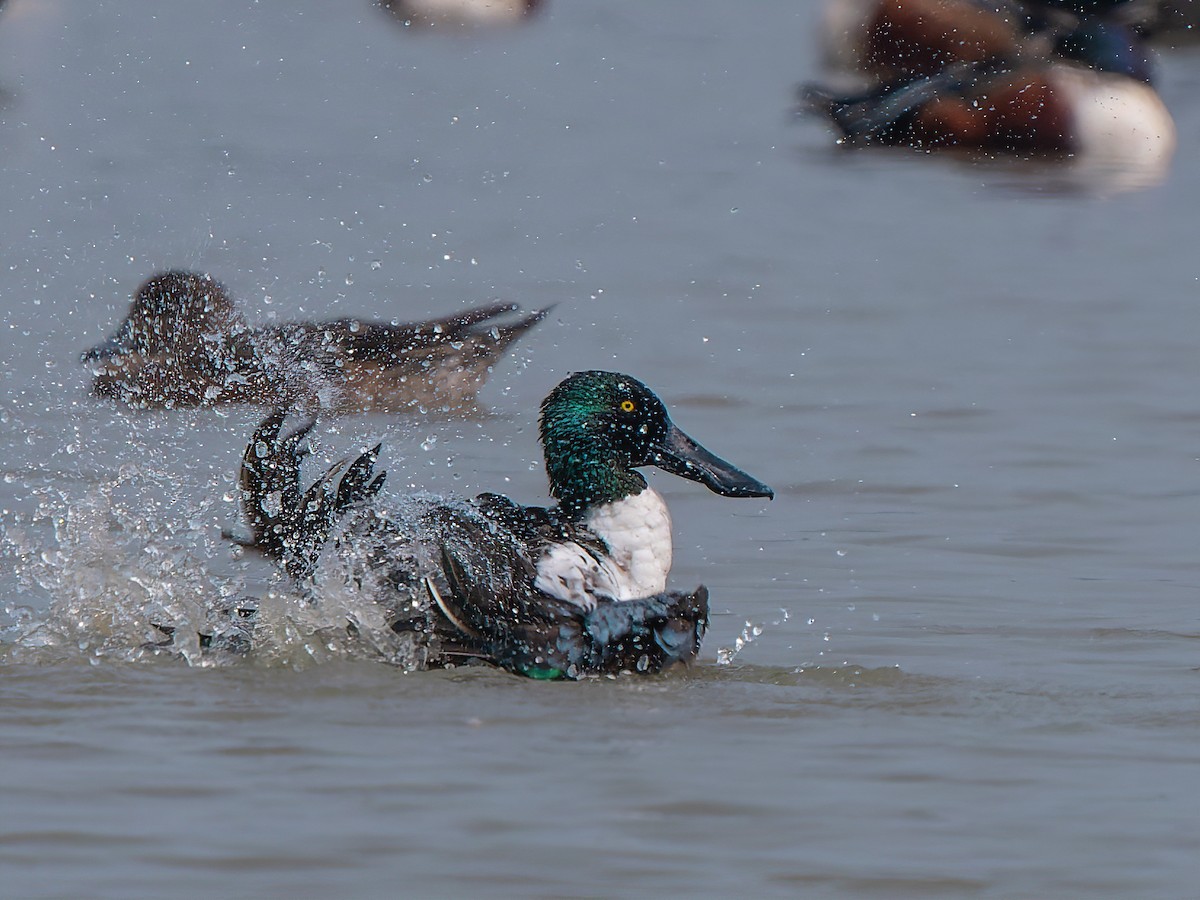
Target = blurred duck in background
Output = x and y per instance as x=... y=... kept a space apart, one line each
x=1171 y=22
x=888 y=41
x=1058 y=76
x=460 y=12
x=185 y=344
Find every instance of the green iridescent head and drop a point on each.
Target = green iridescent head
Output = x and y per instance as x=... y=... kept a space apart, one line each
x=597 y=428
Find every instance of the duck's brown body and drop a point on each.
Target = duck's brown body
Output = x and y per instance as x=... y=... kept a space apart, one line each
x=184 y=344
x=460 y=12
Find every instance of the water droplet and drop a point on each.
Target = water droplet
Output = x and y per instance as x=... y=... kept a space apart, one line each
x=272 y=504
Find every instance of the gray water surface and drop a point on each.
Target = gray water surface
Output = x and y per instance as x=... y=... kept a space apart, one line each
x=958 y=655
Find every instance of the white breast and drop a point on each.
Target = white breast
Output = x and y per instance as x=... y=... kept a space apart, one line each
x=1119 y=124
x=637 y=531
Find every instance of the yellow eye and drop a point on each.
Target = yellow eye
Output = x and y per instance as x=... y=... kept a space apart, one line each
x=628 y=405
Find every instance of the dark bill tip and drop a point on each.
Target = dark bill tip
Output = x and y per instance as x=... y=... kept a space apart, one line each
x=680 y=455
x=106 y=349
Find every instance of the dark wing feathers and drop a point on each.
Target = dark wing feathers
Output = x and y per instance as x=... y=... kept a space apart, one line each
x=284 y=524
x=490 y=592
x=543 y=637
x=359 y=482
x=473 y=327
x=880 y=114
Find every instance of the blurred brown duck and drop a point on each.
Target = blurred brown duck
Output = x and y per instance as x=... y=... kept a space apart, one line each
x=185 y=344
x=1043 y=76
x=460 y=12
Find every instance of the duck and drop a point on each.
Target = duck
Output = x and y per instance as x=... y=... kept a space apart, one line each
x=891 y=41
x=1052 y=109
x=961 y=74
x=460 y=12
x=574 y=590
x=184 y=344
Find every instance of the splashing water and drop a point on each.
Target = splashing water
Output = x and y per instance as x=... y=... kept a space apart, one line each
x=750 y=631
x=111 y=575
x=105 y=566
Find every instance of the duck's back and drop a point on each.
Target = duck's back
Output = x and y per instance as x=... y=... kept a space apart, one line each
x=363 y=366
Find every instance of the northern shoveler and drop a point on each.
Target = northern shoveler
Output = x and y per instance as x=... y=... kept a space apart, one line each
x=573 y=590
x=185 y=344
x=1055 y=77
x=460 y=12
x=1050 y=108
x=892 y=41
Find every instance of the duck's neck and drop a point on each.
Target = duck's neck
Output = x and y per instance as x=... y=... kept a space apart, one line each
x=582 y=481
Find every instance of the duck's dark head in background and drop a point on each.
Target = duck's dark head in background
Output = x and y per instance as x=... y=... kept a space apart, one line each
x=170 y=311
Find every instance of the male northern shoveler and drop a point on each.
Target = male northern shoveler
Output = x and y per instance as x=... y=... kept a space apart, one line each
x=1049 y=108
x=957 y=73
x=460 y=12
x=573 y=590
x=184 y=344
x=892 y=41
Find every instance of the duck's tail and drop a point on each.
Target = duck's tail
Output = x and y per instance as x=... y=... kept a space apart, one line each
x=481 y=332
x=647 y=635
x=502 y=335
